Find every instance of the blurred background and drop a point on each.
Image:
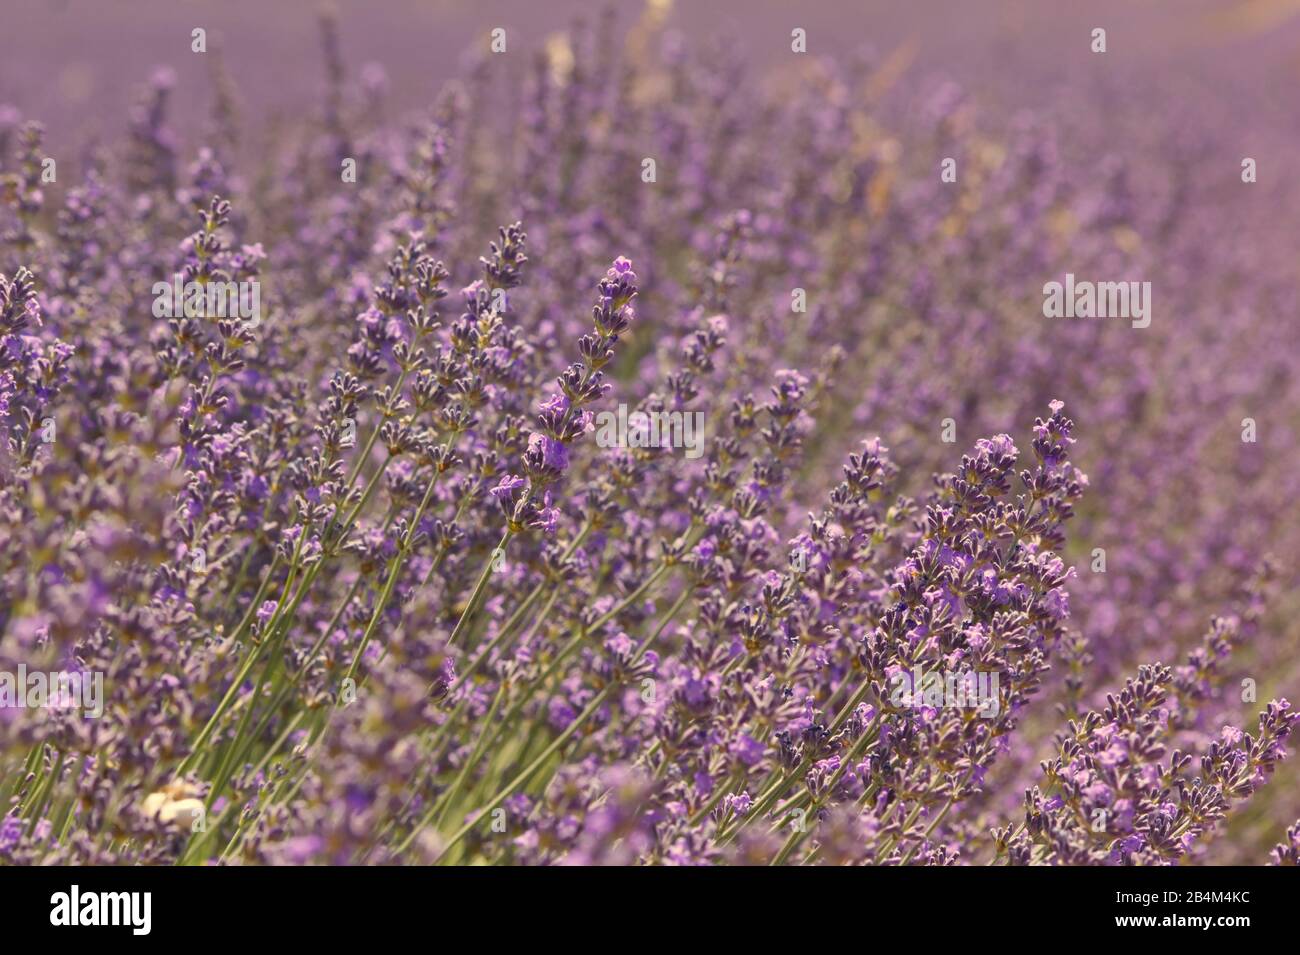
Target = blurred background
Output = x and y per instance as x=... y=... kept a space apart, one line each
x=74 y=63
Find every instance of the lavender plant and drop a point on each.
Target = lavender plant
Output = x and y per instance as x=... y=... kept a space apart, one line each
x=366 y=585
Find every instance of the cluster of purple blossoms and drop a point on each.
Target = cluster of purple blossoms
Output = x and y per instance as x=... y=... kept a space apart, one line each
x=561 y=417
x=360 y=593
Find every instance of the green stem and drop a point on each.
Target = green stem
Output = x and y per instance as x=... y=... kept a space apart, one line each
x=596 y=702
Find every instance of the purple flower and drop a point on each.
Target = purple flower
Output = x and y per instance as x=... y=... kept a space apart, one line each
x=508 y=488
x=550 y=455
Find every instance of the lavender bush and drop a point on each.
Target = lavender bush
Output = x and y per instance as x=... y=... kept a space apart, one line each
x=367 y=582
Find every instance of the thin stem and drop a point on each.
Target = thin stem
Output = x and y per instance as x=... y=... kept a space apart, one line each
x=596 y=702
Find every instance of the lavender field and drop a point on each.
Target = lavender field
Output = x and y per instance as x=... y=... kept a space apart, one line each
x=535 y=434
